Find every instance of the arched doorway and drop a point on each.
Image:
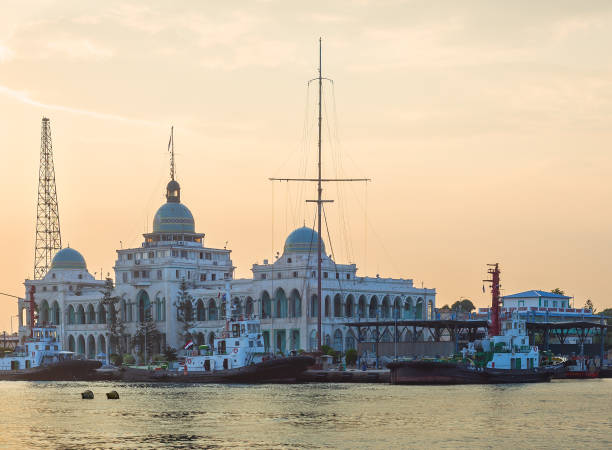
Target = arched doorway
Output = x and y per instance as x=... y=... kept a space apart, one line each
x=71 y=344
x=81 y=345
x=266 y=305
x=91 y=347
x=144 y=305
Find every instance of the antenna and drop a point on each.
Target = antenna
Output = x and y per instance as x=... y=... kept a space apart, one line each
x=319 y=201
x=171 y=150
x=48 y=236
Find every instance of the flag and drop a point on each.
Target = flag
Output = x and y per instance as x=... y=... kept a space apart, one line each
x=188 y=345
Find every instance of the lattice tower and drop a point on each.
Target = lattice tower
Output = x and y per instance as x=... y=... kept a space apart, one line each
x=48 y=236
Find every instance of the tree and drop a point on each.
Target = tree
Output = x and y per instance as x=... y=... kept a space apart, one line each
x=463 y=305
x=170 y=354
x=116 y=328
x=147 y=335
x=589 y=305
x=606 y=312
x=184 y=311
x=558 y=291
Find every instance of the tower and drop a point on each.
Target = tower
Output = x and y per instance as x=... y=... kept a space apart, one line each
x=48 y=237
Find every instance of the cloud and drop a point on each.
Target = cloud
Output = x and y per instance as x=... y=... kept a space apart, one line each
x=76 y=48
x=24 y=97
x=6 y=54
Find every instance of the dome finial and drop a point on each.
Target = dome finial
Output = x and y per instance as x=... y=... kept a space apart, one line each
x=171 y=151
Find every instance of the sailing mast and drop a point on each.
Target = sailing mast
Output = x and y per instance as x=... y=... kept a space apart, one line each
x=319 y=201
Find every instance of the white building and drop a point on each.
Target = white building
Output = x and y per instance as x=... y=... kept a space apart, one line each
x=282 y=293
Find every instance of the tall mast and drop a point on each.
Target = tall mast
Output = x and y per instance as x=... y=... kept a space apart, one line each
x=319 y=201
x=48 y=236
x=319 y=208
x=495 y=327
x=171 y=150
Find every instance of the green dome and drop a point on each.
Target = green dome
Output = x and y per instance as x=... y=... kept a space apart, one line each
x=173 y=218
x=303 y=240
x=68 y=258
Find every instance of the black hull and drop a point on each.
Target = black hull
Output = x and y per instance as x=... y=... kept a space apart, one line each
x=281 y=370
x=433 y=372
x=72 y=370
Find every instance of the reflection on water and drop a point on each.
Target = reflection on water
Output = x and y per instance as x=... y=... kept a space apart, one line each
x=552 y=415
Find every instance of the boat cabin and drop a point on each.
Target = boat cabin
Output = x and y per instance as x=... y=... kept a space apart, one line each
x=41 y=349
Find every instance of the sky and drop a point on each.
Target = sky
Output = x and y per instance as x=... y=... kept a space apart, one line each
x=485 y=128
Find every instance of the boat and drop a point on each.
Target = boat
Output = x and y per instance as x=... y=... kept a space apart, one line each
x=504 y=357
x=579 y=367
x=41 y=358
x=238 y=355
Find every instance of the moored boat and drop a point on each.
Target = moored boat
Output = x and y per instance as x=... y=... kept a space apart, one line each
x=41 y=358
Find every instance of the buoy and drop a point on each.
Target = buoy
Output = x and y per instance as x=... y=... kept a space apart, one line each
x=88 y=395
x=112 y=395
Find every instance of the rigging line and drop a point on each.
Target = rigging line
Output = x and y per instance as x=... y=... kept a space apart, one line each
x=272 y=241
x=331 y=248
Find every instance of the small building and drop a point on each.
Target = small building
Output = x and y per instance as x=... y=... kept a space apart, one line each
x=535 y=298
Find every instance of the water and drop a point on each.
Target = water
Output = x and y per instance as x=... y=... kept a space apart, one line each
x=560 y=414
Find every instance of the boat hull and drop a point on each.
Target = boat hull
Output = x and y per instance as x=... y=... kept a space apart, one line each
x=70 y=370
x=441 y=372
x=280 y=370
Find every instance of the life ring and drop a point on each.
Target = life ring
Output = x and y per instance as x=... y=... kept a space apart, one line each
x=235 y=350
x=188 y=360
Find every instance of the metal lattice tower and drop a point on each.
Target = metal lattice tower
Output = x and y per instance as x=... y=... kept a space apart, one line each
x=48 y=237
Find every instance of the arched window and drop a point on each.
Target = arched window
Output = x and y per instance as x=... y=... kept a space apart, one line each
x=43 y=312
x=327 y=306
x=249 y=309
x=200 y=311
x=337 y=305
x=91 y=347
x=349 y=341
x=266 y=305
x=101 y=313
x=81 y=345
x=71 y=317
x=280 y=303
x=71 y=344
x=397 y=308
x=55 y=313
x=407 y=308
x=91 y=314
x=385 y=310
x=349 y=306
x=212 y=310
x=211 y=339
x=80 y=314
x=418 y=310
x=144 y=306
x=338 y=340
x=362 y=307
x=295 y=304
x=373 y=313
x=123 y=309
x=314 y=306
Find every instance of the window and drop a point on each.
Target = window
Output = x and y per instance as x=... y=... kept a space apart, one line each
x=208 y=255
x=337 y=276
x=554 y=303
x=124 y=276
x=546 y=303
x=159 y=274
x=289 y=260
x=129 y=256
x=44 y=288
x=201 y=255
x=55 y=288
x=136 y=274
x=295 y=274
x=324 y=274
x=183 y=253
x=53 y=276
x=178 y=274
x=70 y=287
x=278 y=275
x=348 y=276
x=313 y=274
x=80 y=276
x=189 y=274
x=151 y=255
x=263 y=276
x=175 y=253
x=213 y=277
x=202 y=277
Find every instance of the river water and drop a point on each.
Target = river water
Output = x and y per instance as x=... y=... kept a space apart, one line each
x=560 y=414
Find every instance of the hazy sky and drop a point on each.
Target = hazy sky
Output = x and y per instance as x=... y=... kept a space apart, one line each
x=486 y=128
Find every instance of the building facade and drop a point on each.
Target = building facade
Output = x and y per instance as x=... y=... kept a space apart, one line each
x=173 y=259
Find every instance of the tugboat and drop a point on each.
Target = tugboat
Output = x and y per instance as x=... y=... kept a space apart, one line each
x=237 y=356
x=41 y=358
x=505 y=357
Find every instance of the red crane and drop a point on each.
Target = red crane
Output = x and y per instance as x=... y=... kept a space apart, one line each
x=495 y=326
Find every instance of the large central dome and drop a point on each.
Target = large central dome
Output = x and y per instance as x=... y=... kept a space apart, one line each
x=173 y=217
x=303 y=240
x=68 y=258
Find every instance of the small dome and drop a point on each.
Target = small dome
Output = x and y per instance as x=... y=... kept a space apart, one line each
x=68 y=258
x=303 y=240
x=173 y=218
x=173 y=192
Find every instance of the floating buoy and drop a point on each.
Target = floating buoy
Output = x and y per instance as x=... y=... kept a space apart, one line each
x=112 y=395
x=88 y=395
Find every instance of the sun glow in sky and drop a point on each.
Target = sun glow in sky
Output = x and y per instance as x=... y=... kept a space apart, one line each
x=486 y=129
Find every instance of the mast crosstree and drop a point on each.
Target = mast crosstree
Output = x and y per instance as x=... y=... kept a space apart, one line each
x=319 y=201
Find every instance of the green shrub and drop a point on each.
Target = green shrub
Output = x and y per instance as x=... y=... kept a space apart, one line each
x=351 y=357
x=115 y=359
x=159 y=358
x=128 y=359
x=170 y=354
